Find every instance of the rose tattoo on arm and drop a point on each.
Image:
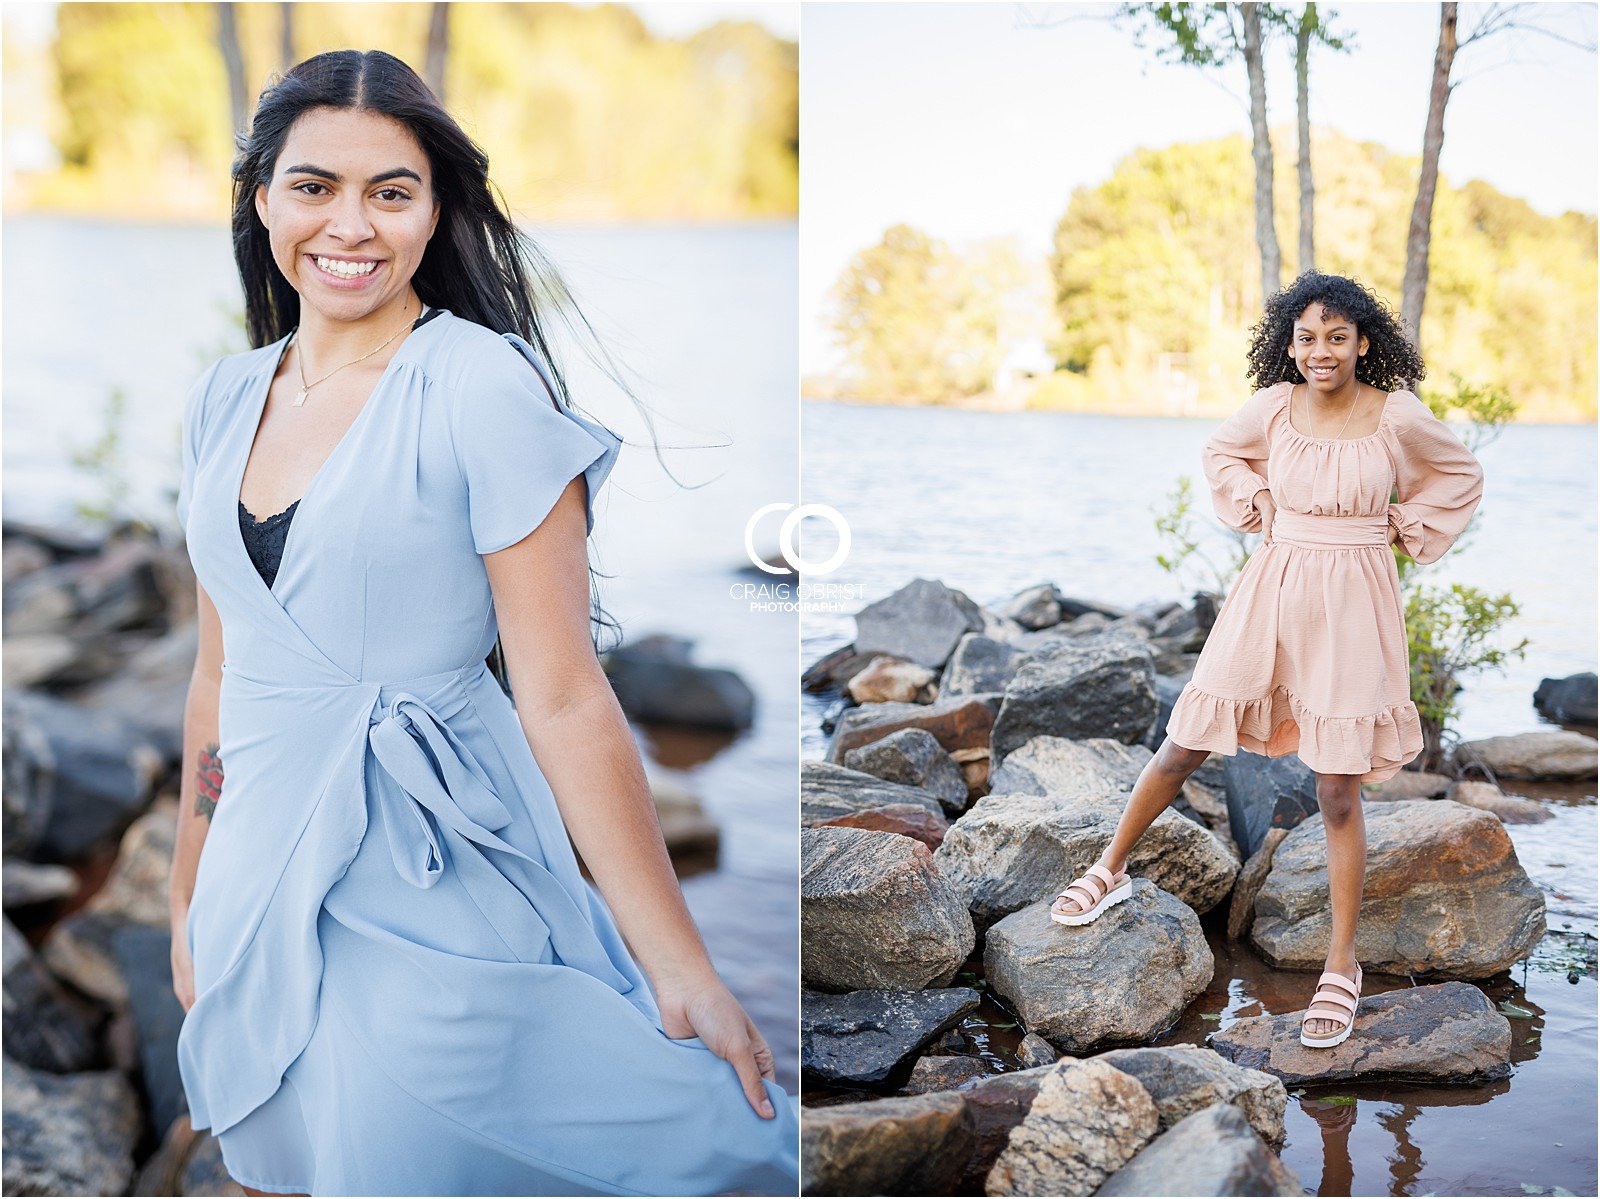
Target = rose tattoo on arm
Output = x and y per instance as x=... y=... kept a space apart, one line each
x=208 y=781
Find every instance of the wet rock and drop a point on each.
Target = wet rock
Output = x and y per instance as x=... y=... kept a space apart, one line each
x=914 y=757
x=1211 y=1152
x=1125 y=978
x=915 y=1145
x=1087 y=1121
x=655 y=682
x=26 y=883
x=959 y=722
x=1033 y=608
x=1009 y=851
x=1242 y=903
x=1448 y=1032
x=922 y=622
x=1097 y=686
x=1266 y=793
x=44 y=1027
x=1543 y=754
x=829 y=791
x=871 y=1038
x=68 y=1134
x=1486 y=797
x=891 y=680
x=1036 y=1051
x=692 y=837
x=943 y=1074
x=980 y=665
x=1444 y=895
x=77 y=777
x=1185 y=1079
x=1570 y=700
x=1408 y=784
x=876 y=913
x=908 y=820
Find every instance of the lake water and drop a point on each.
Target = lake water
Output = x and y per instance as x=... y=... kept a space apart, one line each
x=994 y=502
x=704 y=319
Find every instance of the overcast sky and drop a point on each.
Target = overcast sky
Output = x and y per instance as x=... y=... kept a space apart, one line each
x=968 y=120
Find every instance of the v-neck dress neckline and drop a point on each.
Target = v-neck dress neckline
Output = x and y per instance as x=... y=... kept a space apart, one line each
x=260 y=395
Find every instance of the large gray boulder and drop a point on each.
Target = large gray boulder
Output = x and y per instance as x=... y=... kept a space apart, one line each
x=1212 y=1152
x=981 y=664
x=914 y=758
x=922 y=622
x=1123 y=979
x=1265 y=793
x=1185 y=1079
x=876 y=913
x=1010 y=851
x=44 y=1027
x=1102 y=685
x=1087 y=1121
x=1444 y=895
x=1570 y=700
x=1447 y=1032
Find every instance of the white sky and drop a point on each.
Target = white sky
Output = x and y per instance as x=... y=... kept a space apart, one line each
x=968 y=120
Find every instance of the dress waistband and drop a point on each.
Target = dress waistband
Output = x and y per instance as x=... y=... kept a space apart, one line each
x=1305 y=528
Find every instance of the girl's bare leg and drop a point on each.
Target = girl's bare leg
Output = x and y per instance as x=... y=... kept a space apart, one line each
x=1339 y=797
x=1159 y=782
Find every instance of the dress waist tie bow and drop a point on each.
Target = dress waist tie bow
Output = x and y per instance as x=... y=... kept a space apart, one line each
x=445 y=784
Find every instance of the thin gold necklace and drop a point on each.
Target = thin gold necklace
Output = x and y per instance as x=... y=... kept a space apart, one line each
x=300 y=362
x=1311 y=423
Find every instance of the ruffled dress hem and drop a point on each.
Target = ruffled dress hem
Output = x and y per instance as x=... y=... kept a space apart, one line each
x=1376 y=747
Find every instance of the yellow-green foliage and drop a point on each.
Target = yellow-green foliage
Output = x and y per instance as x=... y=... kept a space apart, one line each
x=584 y=112
x=1158 y=263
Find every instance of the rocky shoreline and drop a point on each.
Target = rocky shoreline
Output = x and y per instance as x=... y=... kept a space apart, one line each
x=99 y=641
x=916 y=897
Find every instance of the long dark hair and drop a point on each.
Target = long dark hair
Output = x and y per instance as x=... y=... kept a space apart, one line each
x=478 y=264
x=1391 y=362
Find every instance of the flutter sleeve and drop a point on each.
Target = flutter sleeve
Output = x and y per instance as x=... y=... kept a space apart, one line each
x=518 y=447
x=1438 y=480
x=193 y=437
x=1235 y=462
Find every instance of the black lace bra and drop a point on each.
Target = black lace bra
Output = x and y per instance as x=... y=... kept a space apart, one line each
x=264 y=538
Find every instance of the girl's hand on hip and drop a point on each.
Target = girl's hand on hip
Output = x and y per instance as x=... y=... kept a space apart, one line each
x=709 y=1011
x=1268 y=510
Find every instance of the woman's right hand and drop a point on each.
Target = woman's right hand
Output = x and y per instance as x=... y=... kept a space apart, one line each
x=1268 y=510
x=182 y=967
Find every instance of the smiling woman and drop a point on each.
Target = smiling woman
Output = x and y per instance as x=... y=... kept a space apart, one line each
x=388 y=958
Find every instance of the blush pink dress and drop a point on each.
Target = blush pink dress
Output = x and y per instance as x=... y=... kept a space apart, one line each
x=1308 y=654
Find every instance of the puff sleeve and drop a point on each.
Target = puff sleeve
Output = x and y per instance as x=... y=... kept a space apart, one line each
x=193 y=436
x=517 y=449
x=1235 y=463
x=1438 y=480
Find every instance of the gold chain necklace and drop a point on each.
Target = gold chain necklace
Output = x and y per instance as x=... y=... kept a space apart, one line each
x=300 y=363
x=1311 y=422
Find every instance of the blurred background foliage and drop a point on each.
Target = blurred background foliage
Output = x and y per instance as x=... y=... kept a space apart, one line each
x=586 y=114
x=1153 y=283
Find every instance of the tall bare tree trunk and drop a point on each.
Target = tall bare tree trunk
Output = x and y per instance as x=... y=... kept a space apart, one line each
x=1302 y=84
x=1414 y=290
x=286 y=58
x=233 y=61
x=1266 y=230
x=438 y=47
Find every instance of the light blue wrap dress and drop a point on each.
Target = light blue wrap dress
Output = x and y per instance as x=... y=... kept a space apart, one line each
x=403 y=983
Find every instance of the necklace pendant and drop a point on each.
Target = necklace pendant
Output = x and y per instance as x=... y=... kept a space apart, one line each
x=301 y=398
